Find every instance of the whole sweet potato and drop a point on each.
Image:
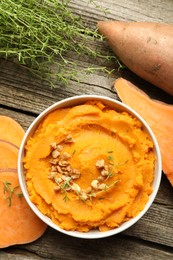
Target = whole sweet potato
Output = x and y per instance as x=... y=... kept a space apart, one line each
x=146 y=48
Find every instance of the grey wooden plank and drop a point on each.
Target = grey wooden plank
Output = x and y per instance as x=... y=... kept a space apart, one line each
x=54 y=245
x=129 y=10
x=155 y=225
x=18 y=256
x=18 y=91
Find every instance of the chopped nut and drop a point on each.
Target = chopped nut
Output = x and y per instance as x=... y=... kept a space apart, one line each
x=63 y=168
x=83 y=196
x=75 y=171
x=100 y=178
x=66 y=173
x=104 y=172
x=52 y=175
x=68 y=168
x=53 y=161
x=59 y=169
x=53 y=168
x=66 y=178
x=102 y=186
x=74 y=177
x=88 y=190
x=100 y=163
x=69 y=139
x=76 y=187
x=58 y=180
x=94 y=184
x=54 y=145
x=59 y=147
x=55 y=153
x=66 y=155
x=63 y=163
x=57 y=188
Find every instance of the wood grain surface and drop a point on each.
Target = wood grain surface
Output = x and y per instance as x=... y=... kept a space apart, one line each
x=23 y=97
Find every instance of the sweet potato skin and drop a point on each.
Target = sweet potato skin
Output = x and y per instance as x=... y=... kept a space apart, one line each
x=146 y=48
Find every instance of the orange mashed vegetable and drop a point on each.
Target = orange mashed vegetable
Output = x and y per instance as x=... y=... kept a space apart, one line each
x=99 y=134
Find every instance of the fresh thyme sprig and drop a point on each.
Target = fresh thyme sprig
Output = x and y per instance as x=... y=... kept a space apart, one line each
x=111 y=185
x=39 y=34
x=10 y=191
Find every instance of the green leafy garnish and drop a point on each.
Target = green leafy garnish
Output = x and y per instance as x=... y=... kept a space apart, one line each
x=10 y=191
x=39 y=34
x=112 y=184
x=20 y=195
x=122 y=164
x=110 y=174
x=65 y=186
x=110 y=158
x=66 y=198
x=73 y=152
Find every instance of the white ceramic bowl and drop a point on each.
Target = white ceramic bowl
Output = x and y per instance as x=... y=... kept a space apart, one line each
x=115 y=105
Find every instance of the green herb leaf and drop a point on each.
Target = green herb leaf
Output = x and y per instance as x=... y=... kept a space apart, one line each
x=66 y=198
x=20 y=195
x=122 y=164
x=110 y=158
x=66 y=185
x=74 y=152
x=9 y=190
x=110 y=174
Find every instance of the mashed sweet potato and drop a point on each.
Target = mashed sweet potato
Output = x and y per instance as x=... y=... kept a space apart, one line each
x=89 y=166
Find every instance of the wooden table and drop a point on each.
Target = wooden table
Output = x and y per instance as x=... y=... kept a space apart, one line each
x=23 y=98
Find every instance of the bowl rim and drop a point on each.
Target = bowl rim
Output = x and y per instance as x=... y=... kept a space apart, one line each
x=75 y=100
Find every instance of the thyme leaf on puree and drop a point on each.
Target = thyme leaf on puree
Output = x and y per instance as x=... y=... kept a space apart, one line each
x=66 y=198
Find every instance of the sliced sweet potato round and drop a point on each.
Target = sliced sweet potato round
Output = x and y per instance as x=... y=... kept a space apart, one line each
x=18 y=223
x=11 y=130
x=8 y=155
